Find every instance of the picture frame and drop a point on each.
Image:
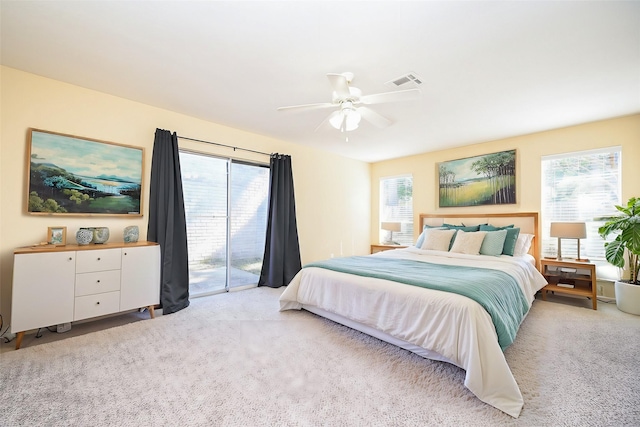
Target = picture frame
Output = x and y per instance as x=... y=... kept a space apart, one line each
x=489 y=179
x=57 y=236
x=73 y=175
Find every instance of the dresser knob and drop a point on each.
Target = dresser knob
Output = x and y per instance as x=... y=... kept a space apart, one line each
x=98 y=303
x=98 y=259
x=70 y=259
x=98 y=281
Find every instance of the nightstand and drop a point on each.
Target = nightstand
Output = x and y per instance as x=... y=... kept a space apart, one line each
x=380 y=248
x=570 y=277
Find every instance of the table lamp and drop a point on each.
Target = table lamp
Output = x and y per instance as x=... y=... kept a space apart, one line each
x=391 y=227
x=568 y=230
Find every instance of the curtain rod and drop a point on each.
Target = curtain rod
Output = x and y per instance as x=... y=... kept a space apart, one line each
x=225 y=145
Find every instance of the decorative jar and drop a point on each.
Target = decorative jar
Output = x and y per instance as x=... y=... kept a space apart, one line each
x=100 y=235
x=131 y=234
x=84 y=236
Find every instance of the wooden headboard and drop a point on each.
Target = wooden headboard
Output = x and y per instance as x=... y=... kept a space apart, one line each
x=527 y=221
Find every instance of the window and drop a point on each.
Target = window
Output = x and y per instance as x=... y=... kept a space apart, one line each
x=581 y=186
x=396 y=205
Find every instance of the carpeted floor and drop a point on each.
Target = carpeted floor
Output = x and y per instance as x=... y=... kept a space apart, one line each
x=234 y=360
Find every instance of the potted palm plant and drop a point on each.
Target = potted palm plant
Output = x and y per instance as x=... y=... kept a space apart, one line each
x=626 y=226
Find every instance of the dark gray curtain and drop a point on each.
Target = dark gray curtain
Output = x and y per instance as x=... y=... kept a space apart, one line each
x=167 y=224
x=282 y=250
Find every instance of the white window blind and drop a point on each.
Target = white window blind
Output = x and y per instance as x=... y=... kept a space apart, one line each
x=396 y=205
x=580 y=186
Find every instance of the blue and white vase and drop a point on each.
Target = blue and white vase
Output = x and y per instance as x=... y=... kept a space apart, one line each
x=131 y=234
x=100 y=235
x=84 y=236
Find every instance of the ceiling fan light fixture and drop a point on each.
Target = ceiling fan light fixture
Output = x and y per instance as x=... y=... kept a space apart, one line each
x=348 y=119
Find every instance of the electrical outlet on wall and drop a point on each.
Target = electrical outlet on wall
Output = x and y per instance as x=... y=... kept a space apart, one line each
x=600 y=290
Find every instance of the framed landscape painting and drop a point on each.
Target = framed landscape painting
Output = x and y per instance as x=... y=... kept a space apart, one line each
x=71 y=175
x=489 y=179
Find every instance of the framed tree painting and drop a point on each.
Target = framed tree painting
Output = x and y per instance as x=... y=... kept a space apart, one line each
x=489 y=179
x=71 y=175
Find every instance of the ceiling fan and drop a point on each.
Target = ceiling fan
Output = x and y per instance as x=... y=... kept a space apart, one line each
x=352 y=106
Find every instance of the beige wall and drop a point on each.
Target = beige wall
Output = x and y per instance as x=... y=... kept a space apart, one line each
x=623 y=131
x=332 y=218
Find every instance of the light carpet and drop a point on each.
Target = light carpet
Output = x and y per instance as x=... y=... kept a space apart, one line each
x=235 y=360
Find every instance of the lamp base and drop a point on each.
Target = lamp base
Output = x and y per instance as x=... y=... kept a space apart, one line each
x=582 y=259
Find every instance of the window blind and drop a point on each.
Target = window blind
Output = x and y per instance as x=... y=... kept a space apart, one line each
x=396 y=205
x=580 y=186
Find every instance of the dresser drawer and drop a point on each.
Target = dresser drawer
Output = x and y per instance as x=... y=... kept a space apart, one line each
x=98 y=260
x=97 y=283
x=96 y=305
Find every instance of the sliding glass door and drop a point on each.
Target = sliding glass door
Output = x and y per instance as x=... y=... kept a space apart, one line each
x=226 y=213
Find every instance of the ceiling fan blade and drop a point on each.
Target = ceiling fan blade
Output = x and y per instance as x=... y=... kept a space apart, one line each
x=374 y=118
x=325 y=122
x=380 y=98
x=318 y=106
x=340 y=85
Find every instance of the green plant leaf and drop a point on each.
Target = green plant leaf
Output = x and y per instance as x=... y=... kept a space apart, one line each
x=614 y=252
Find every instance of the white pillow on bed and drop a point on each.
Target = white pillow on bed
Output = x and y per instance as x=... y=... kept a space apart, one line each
x=420 y=240
x=468 y=242
x=437 y=239
x=523 y=244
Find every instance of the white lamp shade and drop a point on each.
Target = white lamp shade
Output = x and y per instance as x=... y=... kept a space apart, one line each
x=349 y=115
x=568 y=230
x=391 y=226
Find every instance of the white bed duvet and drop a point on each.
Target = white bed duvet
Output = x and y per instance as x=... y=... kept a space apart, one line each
x=435 y=324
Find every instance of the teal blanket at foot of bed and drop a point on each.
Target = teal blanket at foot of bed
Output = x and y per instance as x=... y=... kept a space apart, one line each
x=495 y=290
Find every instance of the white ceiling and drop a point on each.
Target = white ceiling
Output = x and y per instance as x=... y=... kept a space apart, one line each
x=490 y=69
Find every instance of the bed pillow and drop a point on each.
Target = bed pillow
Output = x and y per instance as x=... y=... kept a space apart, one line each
x=462 y=227
x=468 y=242
x=493 y=243
x=420 y=240
x=509 y=241
x=437 y=239
x=523 y=244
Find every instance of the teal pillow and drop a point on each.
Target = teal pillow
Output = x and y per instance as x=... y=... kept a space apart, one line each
x=493 y=243
x=489 y=227
x=509 y=241
x=462 y=227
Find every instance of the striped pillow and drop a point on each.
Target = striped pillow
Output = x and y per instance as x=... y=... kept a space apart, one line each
x=493 y=243
x=509 y=241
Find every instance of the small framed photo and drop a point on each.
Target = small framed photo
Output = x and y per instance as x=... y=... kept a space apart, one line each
x=57 y=236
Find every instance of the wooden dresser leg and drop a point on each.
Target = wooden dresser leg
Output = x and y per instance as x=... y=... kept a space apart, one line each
x=19 y=337
x=151 y=312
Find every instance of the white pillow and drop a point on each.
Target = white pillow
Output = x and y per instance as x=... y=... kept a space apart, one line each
x=468 y=242
x=523 y=244
x=436 y=239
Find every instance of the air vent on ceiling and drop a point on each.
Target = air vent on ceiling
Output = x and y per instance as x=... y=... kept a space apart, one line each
x=407 y=79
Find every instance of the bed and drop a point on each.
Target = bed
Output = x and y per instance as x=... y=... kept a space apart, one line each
x=452 y=305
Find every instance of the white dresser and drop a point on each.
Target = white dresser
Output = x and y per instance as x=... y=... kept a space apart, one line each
x=62 y=284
